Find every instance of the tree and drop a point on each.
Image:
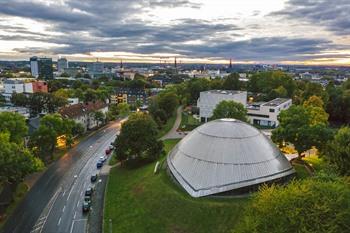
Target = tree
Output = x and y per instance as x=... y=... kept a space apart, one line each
x=99 y=117
x=15 y=161
x=44 y=139
x=19 y=99
x=123 y=109
x=232 y=82
x=314 y=106
x=299 y=127
x=311 y=205
x=138 y=138
x=15 y=125
x=314 y=101
x=230 y=109
x=338 y=151
x=168 y=102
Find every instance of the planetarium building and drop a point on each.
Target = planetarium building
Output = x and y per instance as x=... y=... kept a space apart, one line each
x=224 y=156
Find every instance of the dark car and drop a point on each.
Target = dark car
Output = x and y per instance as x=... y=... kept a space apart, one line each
x=103 y=159
x=99 y=164
x=86 y=206
x=89 y=192
x=93 y=178
x=108 y=151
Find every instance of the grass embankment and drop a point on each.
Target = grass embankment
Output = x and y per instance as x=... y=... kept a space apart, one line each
x=188 y=122
x=19 y=194
x=168 y=125
x=139 y=201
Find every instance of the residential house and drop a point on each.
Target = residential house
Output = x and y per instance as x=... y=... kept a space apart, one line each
x=83 y=113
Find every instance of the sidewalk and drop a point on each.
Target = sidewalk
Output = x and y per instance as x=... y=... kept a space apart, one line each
x=173 y=134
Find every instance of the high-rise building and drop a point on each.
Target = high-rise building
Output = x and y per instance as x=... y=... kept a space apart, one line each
x=45 y=68
x=34 y=68
x=41 y=67
x=62 y=64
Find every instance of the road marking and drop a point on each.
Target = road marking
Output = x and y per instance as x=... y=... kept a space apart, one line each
x=78 y=203
x=70 y=192
x=75 y=214
x=64 y=207
x=64 y=193
x=59 y=222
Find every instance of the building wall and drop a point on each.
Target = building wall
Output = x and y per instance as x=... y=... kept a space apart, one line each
x=208 y=100
x=14 y=88
x=267 y=115
x=34 y=68
x=40 y=86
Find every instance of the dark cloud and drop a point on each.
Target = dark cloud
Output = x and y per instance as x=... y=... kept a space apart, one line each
x=105 y=26
x=332 y=14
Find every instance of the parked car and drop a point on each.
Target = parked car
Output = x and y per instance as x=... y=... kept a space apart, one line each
x=111 y=147
x=103 y=159
x=89 y=191
x=99 y=164
x=86 y=206
x=93 y=178
x=87 y=199
x=108 y=151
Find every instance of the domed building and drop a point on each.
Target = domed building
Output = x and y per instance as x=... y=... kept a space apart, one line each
x=226 y=155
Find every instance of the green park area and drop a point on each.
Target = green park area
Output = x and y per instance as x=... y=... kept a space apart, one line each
x=188 y=122
x=137 y=200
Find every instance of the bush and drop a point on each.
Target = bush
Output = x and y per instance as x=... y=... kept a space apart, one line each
x=311 y=205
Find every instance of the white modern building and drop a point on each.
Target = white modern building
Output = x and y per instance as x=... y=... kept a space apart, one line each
x=266 y=113
x=209 y=99
x=62 y=64
x=20 y=110
x=34 y=67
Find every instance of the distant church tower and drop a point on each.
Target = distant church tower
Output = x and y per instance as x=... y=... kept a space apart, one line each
x=230 y=63
x=175 y=63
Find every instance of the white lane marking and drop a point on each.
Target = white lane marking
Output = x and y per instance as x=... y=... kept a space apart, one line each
x=64 y=193
x=59 y=222
x=70 y=192
x=64 y=207
x=75 y=214
x=53 y=203
x=78 y=203
x=71 y=229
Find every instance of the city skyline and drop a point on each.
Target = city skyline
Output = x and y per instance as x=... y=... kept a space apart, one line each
x=247 y=31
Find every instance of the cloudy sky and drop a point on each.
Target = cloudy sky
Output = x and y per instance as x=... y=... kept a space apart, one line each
x=248 y=31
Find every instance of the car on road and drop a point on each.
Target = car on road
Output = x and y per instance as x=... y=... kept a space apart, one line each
x=111 y=147
x=93 y=178
x=89 y=191
x=103 y=159
x=99 y=164
x=86 y=206
x=108 y=151
x=87 y=199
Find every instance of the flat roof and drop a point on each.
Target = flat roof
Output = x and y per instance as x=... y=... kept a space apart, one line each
x=276 y=102
x=224 y=92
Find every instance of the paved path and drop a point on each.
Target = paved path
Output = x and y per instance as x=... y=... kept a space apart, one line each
x=172 y=134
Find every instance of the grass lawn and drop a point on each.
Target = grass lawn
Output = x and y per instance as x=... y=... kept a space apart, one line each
x=21 y=191
x=167 y=127
x=188 y=122
x=139 y=201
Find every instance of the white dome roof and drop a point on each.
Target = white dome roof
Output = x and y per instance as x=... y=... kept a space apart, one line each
x=223 y=155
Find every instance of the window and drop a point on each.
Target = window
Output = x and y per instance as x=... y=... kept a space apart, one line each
x=272 y=110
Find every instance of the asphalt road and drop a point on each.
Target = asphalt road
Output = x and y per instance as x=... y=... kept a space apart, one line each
x=54 y=203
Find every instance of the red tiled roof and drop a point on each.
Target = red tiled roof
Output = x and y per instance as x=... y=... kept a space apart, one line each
x=80 y=109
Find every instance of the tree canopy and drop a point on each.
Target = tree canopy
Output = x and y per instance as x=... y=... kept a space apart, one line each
x=15 y=160
x=15 y=125
x=230 y=109
x=311 y=205
x=138 y=138
x=338 y=151
x=299 y=126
